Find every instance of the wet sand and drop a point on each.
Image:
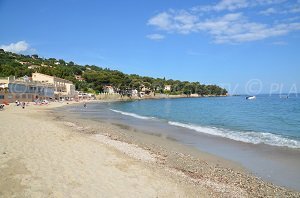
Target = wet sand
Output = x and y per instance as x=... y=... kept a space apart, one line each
x=45 y=153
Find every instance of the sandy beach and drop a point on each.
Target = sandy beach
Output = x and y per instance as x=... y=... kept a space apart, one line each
x=45 y=153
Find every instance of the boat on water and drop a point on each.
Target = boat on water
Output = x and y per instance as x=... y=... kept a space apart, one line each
x=250 y=97
x=284 y=96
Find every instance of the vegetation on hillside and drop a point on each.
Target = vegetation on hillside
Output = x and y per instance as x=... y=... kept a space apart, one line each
x=96 y=77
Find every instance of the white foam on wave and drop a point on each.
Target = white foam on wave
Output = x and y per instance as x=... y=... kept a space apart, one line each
x=132 y=115
x=248 y=137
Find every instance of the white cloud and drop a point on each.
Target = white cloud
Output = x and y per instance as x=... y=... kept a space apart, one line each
x=290 y=9
x=181 y=21
x=232 y=5
x=155 y=36
x=254 y=31
x=162 y=20
x=225 y=28
x=291 y=19
x=269 y=11
x=222 y=5
x=18 y=47
x=267 y=2
x=235 y=28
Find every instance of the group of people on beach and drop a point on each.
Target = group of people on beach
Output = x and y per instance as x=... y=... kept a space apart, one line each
x=22 y=104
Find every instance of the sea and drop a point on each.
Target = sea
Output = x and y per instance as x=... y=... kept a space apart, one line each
x=263 y=135
x=272 y=120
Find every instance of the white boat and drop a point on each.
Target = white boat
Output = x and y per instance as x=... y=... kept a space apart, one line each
x=250 y=97
x=284 y=96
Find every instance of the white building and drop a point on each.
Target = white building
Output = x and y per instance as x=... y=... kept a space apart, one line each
x=33 y=66
x=167 y=88
x=85 y=96
x=23 y=89
x=64 y=89
x=134 y=92
x=108 y=89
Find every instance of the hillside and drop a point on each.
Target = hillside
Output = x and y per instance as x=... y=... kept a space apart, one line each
x=91 y=78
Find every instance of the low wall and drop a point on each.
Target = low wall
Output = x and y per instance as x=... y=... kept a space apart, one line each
x=108 y=97
x=12 y=97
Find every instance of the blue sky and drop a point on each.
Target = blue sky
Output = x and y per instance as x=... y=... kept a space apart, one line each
x=246 y=46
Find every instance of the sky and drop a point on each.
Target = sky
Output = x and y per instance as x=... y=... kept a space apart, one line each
x=246 y=46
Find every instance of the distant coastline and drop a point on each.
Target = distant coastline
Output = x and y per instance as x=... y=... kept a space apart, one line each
x=94 y=80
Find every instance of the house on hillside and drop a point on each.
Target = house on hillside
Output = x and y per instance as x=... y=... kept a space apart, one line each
x=167 y=88
x=23 y=63
x=79 y=78
x=33 y=66
x=108 y=89
x=145 y=90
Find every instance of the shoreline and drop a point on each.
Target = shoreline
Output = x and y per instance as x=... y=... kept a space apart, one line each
x=155 y=141
x=190 y=170
x=275 y=164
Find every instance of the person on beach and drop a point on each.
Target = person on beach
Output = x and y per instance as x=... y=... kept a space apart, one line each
x=84 y=105
x=23 y=105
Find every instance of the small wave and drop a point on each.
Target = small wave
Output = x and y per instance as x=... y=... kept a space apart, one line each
x=248 y=137
x=132 y=115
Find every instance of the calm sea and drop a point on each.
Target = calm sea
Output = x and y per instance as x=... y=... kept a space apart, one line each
x=272 y=120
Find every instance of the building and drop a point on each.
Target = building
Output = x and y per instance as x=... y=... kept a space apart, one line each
x=25 y=90
x=108 y=89
x=33 y=66
x=81 y=95
x=85 y=96
x=134 y=93
x=63 y=89
x=145 y=90
x=24 y=63
x=167 y=88
x=79 y=78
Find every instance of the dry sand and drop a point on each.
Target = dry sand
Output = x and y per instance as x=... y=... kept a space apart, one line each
x=42 y=158
x=42 y=155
